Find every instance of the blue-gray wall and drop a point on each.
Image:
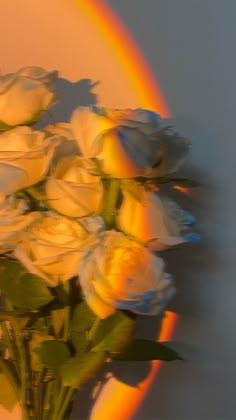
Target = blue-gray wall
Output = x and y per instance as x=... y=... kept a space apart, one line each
x=190 y=46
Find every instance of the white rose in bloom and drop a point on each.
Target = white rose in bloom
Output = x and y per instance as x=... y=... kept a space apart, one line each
x=87 y=126
x=143 y=119
x=165 y=149
x=73 y=190
x=128 y=143
x=121 y=151
x=25 y=95
x=25 y=155
x=68 y=146
x=121 y=274
x=54 y=246
x=168 y=150
x=156 y=222
x=13 y=222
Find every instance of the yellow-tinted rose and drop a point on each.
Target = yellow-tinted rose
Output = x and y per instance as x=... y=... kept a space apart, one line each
x=165 y=149
x=155 y=221
x=128 y=143
x=68 y=146
x=147 y=121
x=54 y=246
x=13 y=222
x=87 y=126
x=74 y=189
x=25 y=95
x=25 y=155
x=121 y=274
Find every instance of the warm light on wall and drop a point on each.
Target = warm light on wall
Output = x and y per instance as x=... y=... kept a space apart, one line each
x=128 y=53
x=119 y=401
x=141 y=83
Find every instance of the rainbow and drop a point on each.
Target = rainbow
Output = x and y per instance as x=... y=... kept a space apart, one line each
x=117 y=400
x=125 y=49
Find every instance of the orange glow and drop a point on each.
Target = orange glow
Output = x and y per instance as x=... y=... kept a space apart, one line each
x=119 y=401
x=125 y=49
x=153 y=187
x=184 y=190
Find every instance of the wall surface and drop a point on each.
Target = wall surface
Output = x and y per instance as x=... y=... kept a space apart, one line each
x=190 y=45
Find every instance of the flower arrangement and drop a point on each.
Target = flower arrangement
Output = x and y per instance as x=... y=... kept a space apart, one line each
x=81 y=221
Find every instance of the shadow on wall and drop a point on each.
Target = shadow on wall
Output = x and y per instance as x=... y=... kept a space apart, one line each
x=194 y=265
x=129 y=373
x=70 y=96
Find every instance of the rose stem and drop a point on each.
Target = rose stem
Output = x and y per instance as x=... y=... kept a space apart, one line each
x=111 y=200
x=66 y=402
x=60 y=399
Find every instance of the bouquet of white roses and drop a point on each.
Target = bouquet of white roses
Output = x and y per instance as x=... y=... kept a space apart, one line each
x=80 y=224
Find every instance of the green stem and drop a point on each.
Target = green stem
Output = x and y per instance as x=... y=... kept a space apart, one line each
x=7 y=371
x=92 y=331
x=8 y=341
x=47 y=405
x=60 y=400
x=56 y=390
x=66 y=402
x=111 y=201
x=67 y=313
x=10 y=336
x=16 y=345
x=36 y=401
x=24 y=369
x=23 y=366
x=66 y=323
x=15 y=350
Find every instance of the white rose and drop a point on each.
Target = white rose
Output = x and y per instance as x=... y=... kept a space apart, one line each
x=126 y=147
x=25 y=95
x=156 y=222
x=121 y=274
x=25 y=155
x=13 y=222
x=120 y=150
x=143 y=119
x=54 y=246
x=165 y=150
x=87 y=126
x=73 y=190
x=68 y=146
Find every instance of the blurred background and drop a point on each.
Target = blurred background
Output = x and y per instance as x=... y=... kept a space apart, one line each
x=189 y=47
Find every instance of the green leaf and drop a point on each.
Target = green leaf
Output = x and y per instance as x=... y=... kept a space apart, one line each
x=183 y=181
x=78 y=370
x=62 y=295
x=25 y=290
x=140 y=350
x=114 y=333
x=8 y=315
x=4 y=126
x=8 y=398
x=38 y=324
x=53 y=353
x=57 y=320
x=83 y=317
x=186 y=181
x=35 y=342
x=82 y=321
